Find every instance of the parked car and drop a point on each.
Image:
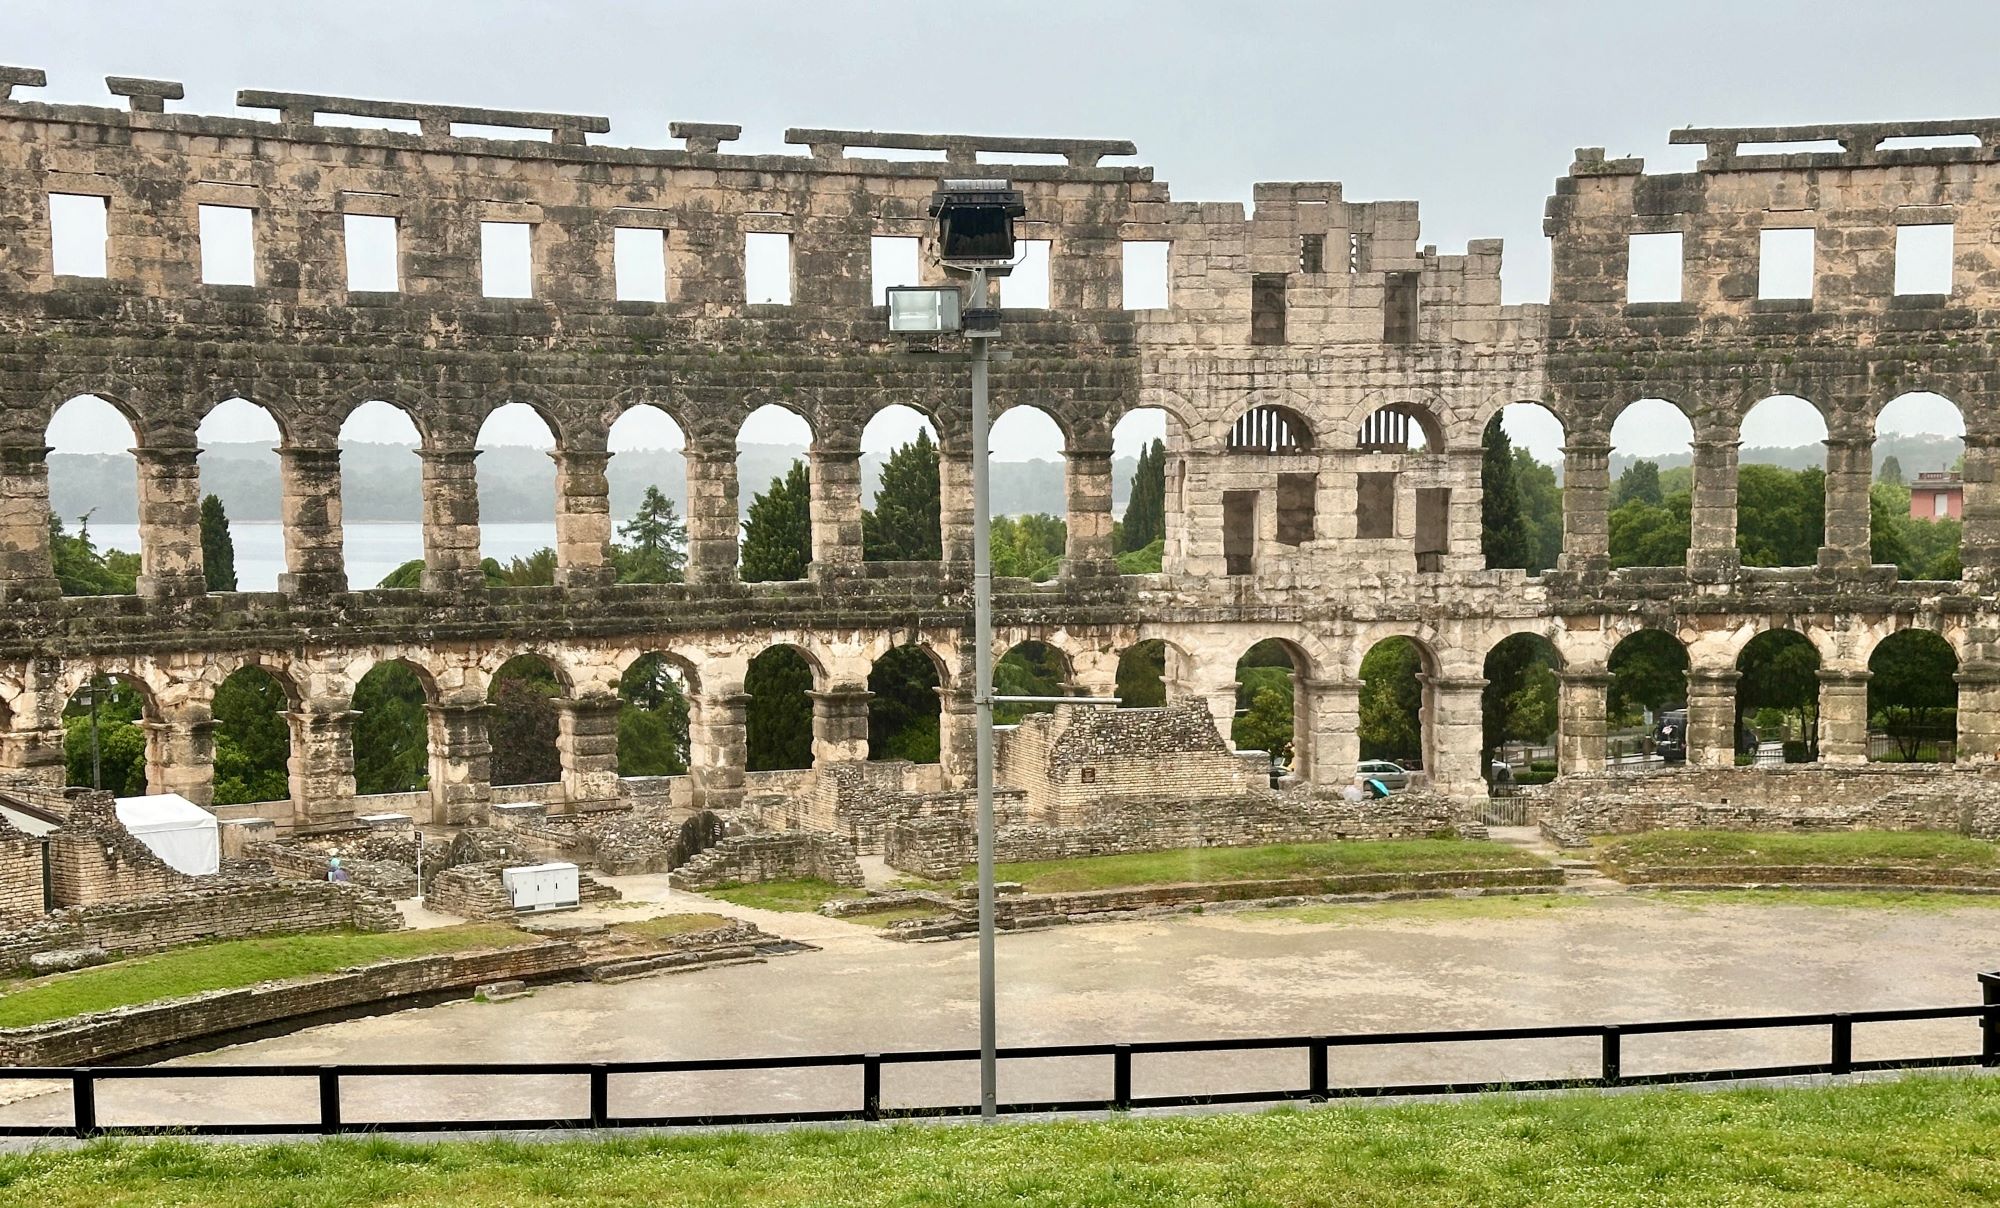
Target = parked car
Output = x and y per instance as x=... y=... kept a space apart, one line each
x=1670 y=736
x=1393 y=776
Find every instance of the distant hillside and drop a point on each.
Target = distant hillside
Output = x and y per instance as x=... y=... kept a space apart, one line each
x=382 y=483
x=1913 y=452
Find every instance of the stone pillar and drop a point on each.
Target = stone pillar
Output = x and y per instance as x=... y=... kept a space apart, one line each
x=322 y=763
x=583 y=518
x=1581 y=726
x=180 y=755
x=958 y=738
x=1979 y=547
x=1087 y=489
x=840 y=724
x=1712 y=556
x=315 y=557
x=955 y=506
x=169 y=522
x=712 y=522
x=451 y=521
x=461 y=764
x=1850 y=468
x=1843 y=714
x=1454 y=729
x=718 y=748
x=1711 y=730
x=835 y=474
x=34 y=752
x=1464 y=523
x=1586 y=504
x=26 y=571
x=587 y=743
x=1978 y=711
x=1326 y=729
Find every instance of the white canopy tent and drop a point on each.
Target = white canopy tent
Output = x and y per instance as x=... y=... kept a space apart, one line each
x=176 y=829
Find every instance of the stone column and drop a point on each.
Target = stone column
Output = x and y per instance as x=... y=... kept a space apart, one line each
x=958 y=738
x=583 y=518
x=1978 y=711
x=1464 y=523
x=169 y=522
x=955 y=507
x=712 y=521
x=1843 y=714
x=315 y=557
x=180 y=755
x=1712 y=556
x=1581 y=726
x=835 y=474
x=1326 y=725
x=1586 y=504
x=26 y=571
x=322 y=762
x=1979 y=547
x=461 y=764
x=587 y=743
x=1087 y=489
x=1454 y=726
x=1711 y=735
x=451 y=520
x=718 y=748
x=1850 y=468
x=840 y=724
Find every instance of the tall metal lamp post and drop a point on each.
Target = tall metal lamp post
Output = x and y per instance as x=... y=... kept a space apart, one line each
x=975 y=240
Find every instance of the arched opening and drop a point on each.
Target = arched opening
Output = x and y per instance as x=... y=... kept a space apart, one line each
x=517 y=497
x=1029 y=669
x=1649 y=672
x=242 y=505
x=903 y=712
x=1916 y=506
x=1400 y=428
x=647 y=480
x=392 y=734
x=771 y=448
x=1266 y=702
x=1270 y=429
x=381 y=497
x=253 y=738
x=778 y=717
x=1518 y=707
x=653 y=717
x=112 y=755
x=1777 y=699
x=1781 y=483
x=1913 y=699
x=1652 y=487
x=1141 y=485
x=1142 y=675
x=1520 y=517
x=1395 y=704
x=522 y=724
x=93 y=499
x=901 y=497
x=1030 y=495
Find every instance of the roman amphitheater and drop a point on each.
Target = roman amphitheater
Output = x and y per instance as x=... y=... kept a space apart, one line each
x=1326 y=376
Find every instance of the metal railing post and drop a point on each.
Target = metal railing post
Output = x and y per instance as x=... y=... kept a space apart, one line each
x=1841 y=1059
x=600 y=1094
x=329 y=1100
x=1121 y=1078
x=1989 y=1025
x=83 y=1103
x=1316 y=1054
x=1611 y=1072
x=871 y=1086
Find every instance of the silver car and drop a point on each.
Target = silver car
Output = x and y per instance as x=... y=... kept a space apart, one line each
x=1392 y=775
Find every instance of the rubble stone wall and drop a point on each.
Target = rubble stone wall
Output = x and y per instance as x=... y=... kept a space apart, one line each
x=1784 y=797
x=784 y=856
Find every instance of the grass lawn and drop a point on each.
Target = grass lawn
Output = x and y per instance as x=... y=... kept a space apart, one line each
x=897 y=914
x=1486 y=906
x=668 y=925
x=1844 y=899
x=805 y=894
x=1184 y=865
x=1929 y=1141
x=228 y=964
x=1910 y=849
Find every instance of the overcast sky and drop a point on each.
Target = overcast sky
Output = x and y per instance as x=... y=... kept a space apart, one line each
x=1471 y=109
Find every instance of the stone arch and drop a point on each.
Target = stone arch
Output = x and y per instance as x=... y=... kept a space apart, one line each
x=254 y=740
x=1031 y=666
x=127 y=753
x=243 y=479
x=1528 y=494
x=900 y=436
x=1913 y=697
x=656 y=689
x=514 y=453
x=1648 y=672
x=1643 y=432
x=1398 y=700
x=646 y=448
x=380 y=489
x=905 y=710
x=778 y=716
x=782 y=420
x=1156 y=441
x=523 y=722
x=1779 y=669
x=1270 y=428
x=394 y=734
x=1388 y=428
x=1521 y=702
x=1795 y=532
x=1143 y=674
x=1271 y=710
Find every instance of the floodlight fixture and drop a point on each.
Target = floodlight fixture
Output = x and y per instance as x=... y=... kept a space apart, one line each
x=976 y=224
x=923 y=309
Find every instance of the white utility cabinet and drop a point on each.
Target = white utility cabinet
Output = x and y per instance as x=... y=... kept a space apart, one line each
x=538 y=887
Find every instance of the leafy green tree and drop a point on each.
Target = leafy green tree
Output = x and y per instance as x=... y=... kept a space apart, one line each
x=1781 y=671
x=1519 y=700
x=652 y=720
x=1028 y=547
x=1641 y=482
x=392 y=735
x=1266 y=725
x=1029 y=669
x=1780 y=515
x=1644 y=534
x=121 y=741
x=252 y=738
x=777 y=538
x=82 y=571
x=1391 y=698
x=1911 y=690
x=905 y=524
x=218 y=551
x=1503 y=534
x=778 y=718
x=1146 y=560
x=410 y=575
x=538 y=569
x=1146 y=509
x=1142 y=675
x=1891 y=471
x=522 y=724
x=1541 y=510
x=1648 y=671
x=903 y=713
x=656 y=543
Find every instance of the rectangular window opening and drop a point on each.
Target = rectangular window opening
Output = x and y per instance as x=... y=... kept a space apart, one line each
x=1399 y=308
x=1357 y=252
x=1433 y=528
x=1924 y=142
x=1145 y=274
x=767 y=268
x=1785 y=262
x=371 y=253
x=79 y=241
x=1297 y=501
x=892 y=260
x=1375 y=505
x=228 y=245
x=350 y=121
x=1653 y=267
x=526 y=134
x=1312 y=253
x=1239 y=532
x=1027 y=287
x=507 y=259
x=639 y=264
x=1923 y=259
x=1267 y=307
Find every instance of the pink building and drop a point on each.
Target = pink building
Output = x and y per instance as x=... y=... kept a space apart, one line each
x=1936 y=495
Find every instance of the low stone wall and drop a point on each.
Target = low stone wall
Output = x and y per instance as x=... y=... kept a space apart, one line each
x=20 y=875
x=1805 y=874
x=784 y=856
x=96 y=1038
x=214 y=911
x=1896 y=797
x=617 y=843
x=1037 y=909
x=93 y=858
x=296 y=862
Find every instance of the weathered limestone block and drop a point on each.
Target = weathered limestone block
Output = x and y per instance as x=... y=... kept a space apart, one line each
x=169 y=522
x=587 y=743
x=315 y=560
x=583 y=518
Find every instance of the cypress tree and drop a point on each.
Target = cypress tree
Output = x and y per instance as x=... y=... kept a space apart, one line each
x=904 y=525
x=218 y=552
x=777 y=538
x=1146 y=511
x=1503 y=534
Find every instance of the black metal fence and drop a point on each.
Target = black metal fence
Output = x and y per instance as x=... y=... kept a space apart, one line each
x=1319 y=1051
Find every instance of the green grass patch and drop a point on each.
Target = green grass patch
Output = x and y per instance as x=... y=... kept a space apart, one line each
x=228 y=965
x=1839 y=899
x=1933 y=1141
x=1194 y=864
x=898 y=914
x=1835 y=849
x=668 y=925
x=1486 y=906
x=807 y=894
